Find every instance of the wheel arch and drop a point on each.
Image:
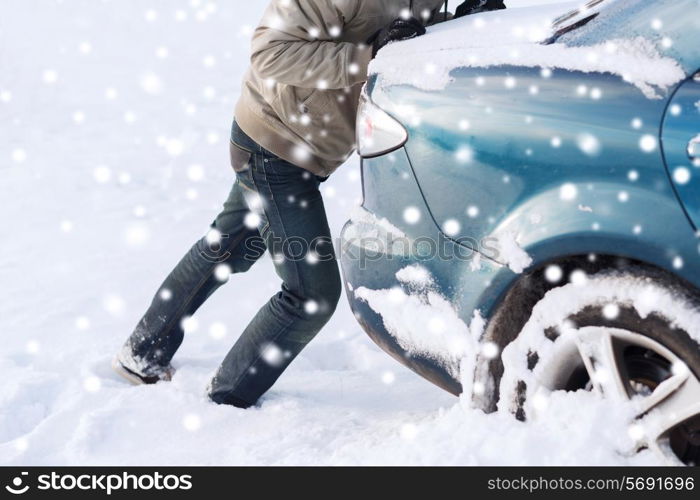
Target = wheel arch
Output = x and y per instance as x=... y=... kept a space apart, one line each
x=513 y=310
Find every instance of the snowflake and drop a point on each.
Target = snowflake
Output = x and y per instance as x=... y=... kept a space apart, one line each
x=174 y=147
x=114 y=304
x=568 y=192
x=222 y=272
x=21 y=444
x=217 y=330
x=490 y=350
x=33 y=347
x=151 y=83
x=464 y=154
x=648 y=143
x=209 y=92
x=136 y=234
x=209 y=61
x=611 y=311
x=82 y=323
x=588 y=144
x=578 y=278
x=311 y=307
x=540 y=401
x=49 y=76
x=195 y=172
x=301 y=153
x=102 y=174
x=409 y=432
x=92 y=384
x=66 y=226
x=553 y=274
x=189 y=324
x=272 y=355
x=78 y=117
x=411 y=215
x=312 y=258
x=129 y=117
x=19 y=155
x=451 y=227
x=682 y=175
x=192 y=422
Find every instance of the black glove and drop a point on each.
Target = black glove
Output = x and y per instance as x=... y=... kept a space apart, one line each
x=475 y=6
x=399 y=29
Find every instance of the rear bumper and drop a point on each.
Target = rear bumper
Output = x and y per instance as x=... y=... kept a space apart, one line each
x=378 y=245
x=375 y=270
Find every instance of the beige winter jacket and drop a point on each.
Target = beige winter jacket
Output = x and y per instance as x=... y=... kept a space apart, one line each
x=309 y=61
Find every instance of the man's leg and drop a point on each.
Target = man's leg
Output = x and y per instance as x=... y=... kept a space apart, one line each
x=294 y=225
x=231 y=246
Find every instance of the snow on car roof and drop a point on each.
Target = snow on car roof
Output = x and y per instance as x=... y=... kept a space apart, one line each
x=513 y=37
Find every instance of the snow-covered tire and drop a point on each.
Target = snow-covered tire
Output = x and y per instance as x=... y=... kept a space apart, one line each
x=631 y=335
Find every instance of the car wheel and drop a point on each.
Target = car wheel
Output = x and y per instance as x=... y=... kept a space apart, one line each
x=627 y=336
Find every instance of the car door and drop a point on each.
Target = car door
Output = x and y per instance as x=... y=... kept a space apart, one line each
x=681 y=145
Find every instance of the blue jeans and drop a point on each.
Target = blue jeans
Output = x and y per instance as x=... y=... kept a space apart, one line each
x=274 y=206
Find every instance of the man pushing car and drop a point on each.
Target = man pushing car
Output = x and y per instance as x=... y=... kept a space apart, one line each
x=294 y=125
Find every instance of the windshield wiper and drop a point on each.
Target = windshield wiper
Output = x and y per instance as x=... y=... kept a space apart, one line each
x=569 y=28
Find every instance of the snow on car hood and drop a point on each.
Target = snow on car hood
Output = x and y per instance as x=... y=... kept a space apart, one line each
x=512 y=37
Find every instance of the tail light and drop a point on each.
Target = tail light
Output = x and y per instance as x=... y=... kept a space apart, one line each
x=377 y=132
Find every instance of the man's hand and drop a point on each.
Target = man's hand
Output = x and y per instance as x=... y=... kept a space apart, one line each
x=475 y=6
x=399 y=29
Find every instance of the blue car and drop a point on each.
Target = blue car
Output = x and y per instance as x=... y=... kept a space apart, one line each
x=530 y=215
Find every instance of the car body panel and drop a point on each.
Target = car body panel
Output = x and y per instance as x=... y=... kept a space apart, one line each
x=528 y=151
x=467 y=287
x=565 y=162
x=681 y=126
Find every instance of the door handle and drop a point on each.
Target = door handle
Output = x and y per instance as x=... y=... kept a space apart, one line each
x=694 y=150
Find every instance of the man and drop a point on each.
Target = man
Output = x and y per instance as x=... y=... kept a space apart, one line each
x=294 y=125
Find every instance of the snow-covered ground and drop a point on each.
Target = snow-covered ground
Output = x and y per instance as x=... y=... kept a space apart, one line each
x=114 y=120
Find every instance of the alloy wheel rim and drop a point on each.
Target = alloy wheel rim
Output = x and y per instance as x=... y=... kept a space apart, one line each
x=628 y=367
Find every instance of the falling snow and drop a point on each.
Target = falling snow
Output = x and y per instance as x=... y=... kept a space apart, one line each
x=127 y=165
